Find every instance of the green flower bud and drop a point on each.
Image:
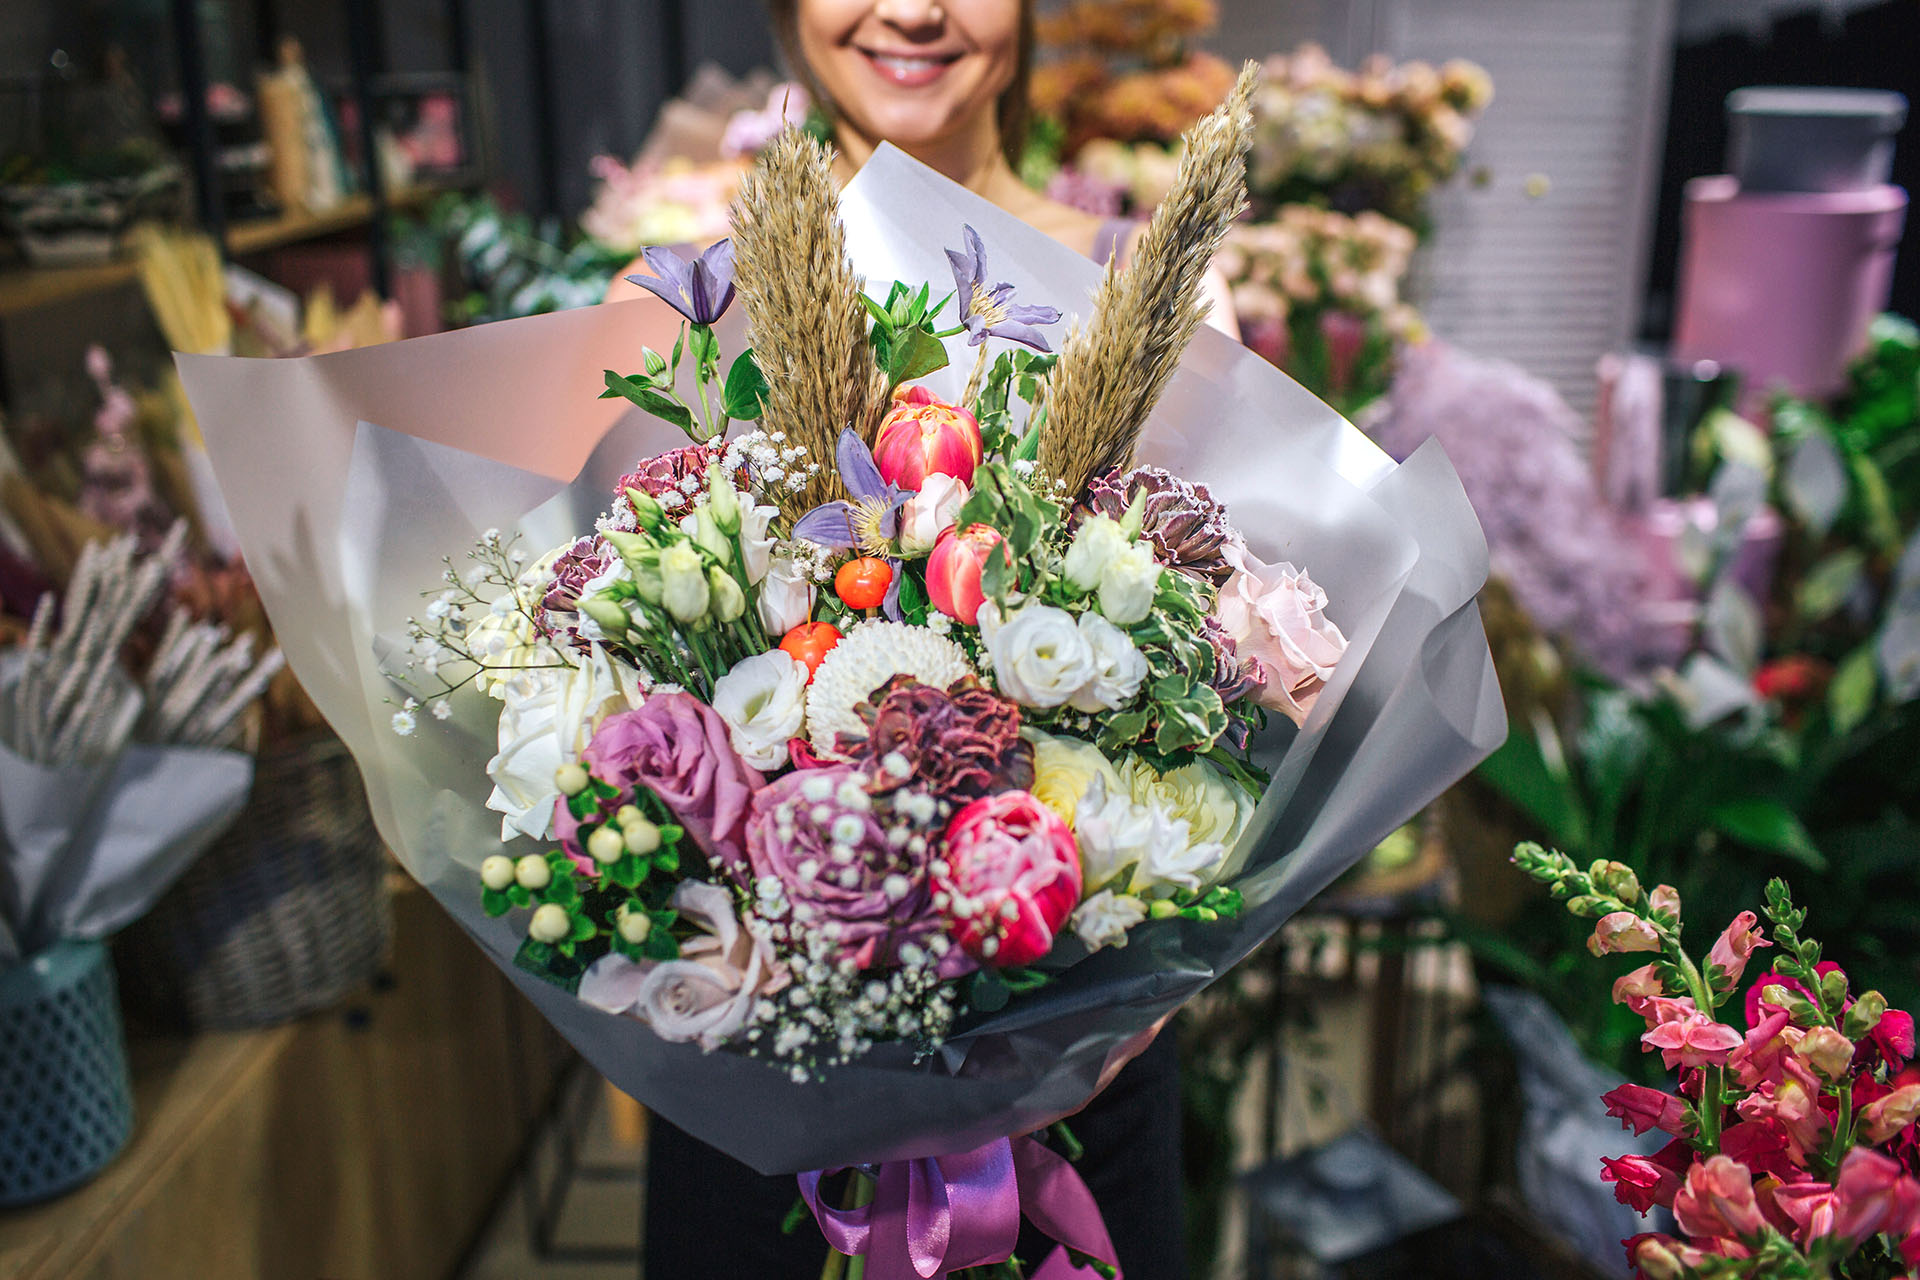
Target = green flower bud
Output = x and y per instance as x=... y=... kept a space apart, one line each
x=1161 y=909
x=646 y=509
x=1588 y=905
x=707 y=532
x=1135 y=515
x=549 y=924
x=628 y=546
x=610 y=617
x=1616 y=878
x=647 y=582
x=606 y=844
x=1865 y=1015
x=722 y=500
x=533 y=873
x=683 y=581
x=1833 y=987
x=729 y=602
x=497 y=872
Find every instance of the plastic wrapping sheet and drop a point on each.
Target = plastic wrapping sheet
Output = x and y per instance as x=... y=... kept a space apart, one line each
x=349 y=477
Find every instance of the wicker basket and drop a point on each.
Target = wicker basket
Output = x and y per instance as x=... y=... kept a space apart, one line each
x=285 y=914
x=66 y=1104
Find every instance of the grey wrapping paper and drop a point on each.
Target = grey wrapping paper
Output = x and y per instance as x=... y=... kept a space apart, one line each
x=349 y=476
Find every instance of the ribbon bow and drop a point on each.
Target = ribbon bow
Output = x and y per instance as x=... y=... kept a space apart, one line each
x=932 y=1216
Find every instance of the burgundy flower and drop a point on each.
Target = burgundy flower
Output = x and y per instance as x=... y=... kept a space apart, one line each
x=1186 y=524
x=578 y=565
x=673 y=477
x=958 y=743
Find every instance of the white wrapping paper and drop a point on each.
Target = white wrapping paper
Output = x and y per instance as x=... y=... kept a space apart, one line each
x=344 y=523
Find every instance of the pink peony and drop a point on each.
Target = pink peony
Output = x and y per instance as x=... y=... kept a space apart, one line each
x=1716 y=1201
x=1639 y=1108
x=1012 y=877
x=1733 y=948
x=1691 y=1038
x=1277 y=619
x=923 y=436
x=677 y=747
x=1640 y=1182
x=1622 y=931
x=953 y=570
x=707 y=993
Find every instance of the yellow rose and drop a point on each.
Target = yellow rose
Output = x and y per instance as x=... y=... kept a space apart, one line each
x=1215 y=810
x=1063 y=770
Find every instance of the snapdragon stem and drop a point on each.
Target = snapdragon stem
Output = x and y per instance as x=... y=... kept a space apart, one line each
x=1713 y=1080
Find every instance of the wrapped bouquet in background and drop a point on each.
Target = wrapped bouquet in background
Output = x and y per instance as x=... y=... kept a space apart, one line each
x=925 y=738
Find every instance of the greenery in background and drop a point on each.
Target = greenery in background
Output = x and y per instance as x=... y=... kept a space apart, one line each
x=502 y=264
x=1789 y=741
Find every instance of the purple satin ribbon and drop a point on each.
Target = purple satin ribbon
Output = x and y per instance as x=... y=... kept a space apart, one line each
x=929 y=1217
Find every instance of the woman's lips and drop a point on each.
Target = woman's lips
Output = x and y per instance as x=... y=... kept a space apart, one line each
x=909 y=71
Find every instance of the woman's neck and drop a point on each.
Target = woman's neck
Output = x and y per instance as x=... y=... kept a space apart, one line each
x=971 y=158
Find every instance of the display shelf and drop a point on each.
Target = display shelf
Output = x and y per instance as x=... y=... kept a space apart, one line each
x=371 y=1140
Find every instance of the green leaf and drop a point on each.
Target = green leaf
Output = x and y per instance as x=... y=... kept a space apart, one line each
x=914 y=354
x=562 y=892
x=1767 y=824
x=679 y=344
x=880 y=314
x=494 y=902
x=549 y=964
x=703 y=346
x=1829 y=583
x=913 y=599
x=519 y=896
x=1850 y=697
x=627 y=871
x=649 y=399
x=583 y=929
x=745 y=389
x=661 y=945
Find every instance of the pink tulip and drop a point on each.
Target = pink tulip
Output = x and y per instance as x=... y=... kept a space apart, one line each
x=1733 y=948
x=1640 y=1182
x=1872 y=1195
x=1716 y=1201
x=953 y=570
x=1639 y=1108
x=1691 y=1038
x=1622 y=931
x=923 y=436
x=1884 y=1117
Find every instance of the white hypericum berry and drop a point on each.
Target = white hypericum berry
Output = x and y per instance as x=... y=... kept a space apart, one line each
x=571 y=778
x=549 y=924
x=634 y=926
x=606 y=844
x=628 y=814
x=532 y=872
x=497 y=872
x=641 y=836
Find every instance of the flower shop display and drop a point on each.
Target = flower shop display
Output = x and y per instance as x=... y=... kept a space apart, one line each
x=854 y=785
x=1124 y=71
x=1794 y=1148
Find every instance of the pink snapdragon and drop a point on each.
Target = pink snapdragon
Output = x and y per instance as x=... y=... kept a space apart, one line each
x=1689 y=1038
x=1635 y=988
x=1886 y=1116
x=1622 y=931
x=1792 y=1103
x=1639 y=1108
x=1716 y=1201
x=1873 y=1195
x=1640 y=1181
x=1736 y=945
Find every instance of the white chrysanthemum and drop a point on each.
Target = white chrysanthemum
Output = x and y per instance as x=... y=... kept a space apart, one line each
x=867 y=657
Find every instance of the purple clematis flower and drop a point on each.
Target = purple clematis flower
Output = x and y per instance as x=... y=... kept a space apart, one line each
x=700 y=290
x=871 y=521
x=992 y=313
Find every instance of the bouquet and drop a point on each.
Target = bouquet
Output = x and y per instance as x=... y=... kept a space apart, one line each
x=861 y=784
x=1795 y=1150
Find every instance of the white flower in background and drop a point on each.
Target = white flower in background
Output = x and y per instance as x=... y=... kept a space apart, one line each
x=756 y=548
x=1040 y=658
x=1095 y=544
x=930 y=513
x=549 y=717
x=1139 y=848
x=763 y=699
x=1119 y=667
x=869 y=655
x=1211 y=805
x=1128 y=584
x=785 y=596
x=1103 y=919
x=503 y=641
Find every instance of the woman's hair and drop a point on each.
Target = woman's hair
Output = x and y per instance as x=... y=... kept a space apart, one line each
x=1014 y=111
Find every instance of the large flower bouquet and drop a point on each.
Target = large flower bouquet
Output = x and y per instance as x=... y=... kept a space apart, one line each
x=928 y=736
x=1795 y=1150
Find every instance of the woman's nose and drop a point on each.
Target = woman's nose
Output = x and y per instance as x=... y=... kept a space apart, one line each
x=910 y=15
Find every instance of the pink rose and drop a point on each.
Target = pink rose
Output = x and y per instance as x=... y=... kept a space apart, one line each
x=1733 y=948
x=1622 y=931
x=1716 y=1201
x=1691 y=1038
x=678 y=747
x=1639 y=1108
x=1012 y=878
x=708 y=992
x=1276 y=617
x=923 y=436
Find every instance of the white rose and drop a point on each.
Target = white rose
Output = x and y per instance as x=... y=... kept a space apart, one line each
x=548 y=718
x=764 y=702
x=1119 y=668
x=930 y=513
x=1103 y=919
x=756 y=548
x=1040 y=658
x=1128 y=583
x=1095 y=544
x=786 y=596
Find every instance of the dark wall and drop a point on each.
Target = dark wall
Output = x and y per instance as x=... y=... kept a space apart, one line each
x=1873 y=48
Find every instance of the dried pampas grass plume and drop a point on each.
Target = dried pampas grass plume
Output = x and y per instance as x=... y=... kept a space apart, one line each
x=1113 y=369
x=802 y=297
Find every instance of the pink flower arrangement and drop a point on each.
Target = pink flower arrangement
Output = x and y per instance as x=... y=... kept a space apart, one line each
x=1794 y=1152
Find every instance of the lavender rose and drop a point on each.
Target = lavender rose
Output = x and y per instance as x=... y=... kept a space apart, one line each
x=1276 y=617
x=676 y=746
x=838 y=860
x=705 y=995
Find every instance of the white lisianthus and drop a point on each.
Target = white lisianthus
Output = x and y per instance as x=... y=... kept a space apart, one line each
x=1103 y=919
x=764 y=702
x=930 y=513
x=1040 y=658
x=548 y=718
x=1063 y=769
x=1139 y=848
x=756 y=548
x=683 y=583
x=1128 y=584
x=785 y=596
x=1095 y=544
x=1213 y=807
x=1119 y=667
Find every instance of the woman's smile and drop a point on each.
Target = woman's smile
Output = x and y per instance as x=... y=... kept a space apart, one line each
x=904 y=69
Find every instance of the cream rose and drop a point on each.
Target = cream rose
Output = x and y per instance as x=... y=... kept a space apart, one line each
x=1064 y=770
x=1128 y=584
x=1139 y=848
x=1040 y=658
x=763 y=699
x=548 y=718
x=1213 y=808
x=1277 y=618
x=930 y=513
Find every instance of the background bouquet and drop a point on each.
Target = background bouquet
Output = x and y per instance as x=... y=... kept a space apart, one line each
x=672 y=586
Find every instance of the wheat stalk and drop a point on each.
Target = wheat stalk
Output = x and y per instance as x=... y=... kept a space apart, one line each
x=802 y=299
x=1113 y=369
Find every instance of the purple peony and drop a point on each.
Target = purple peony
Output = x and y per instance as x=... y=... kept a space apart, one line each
x=677 y=747
x=822 y=850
